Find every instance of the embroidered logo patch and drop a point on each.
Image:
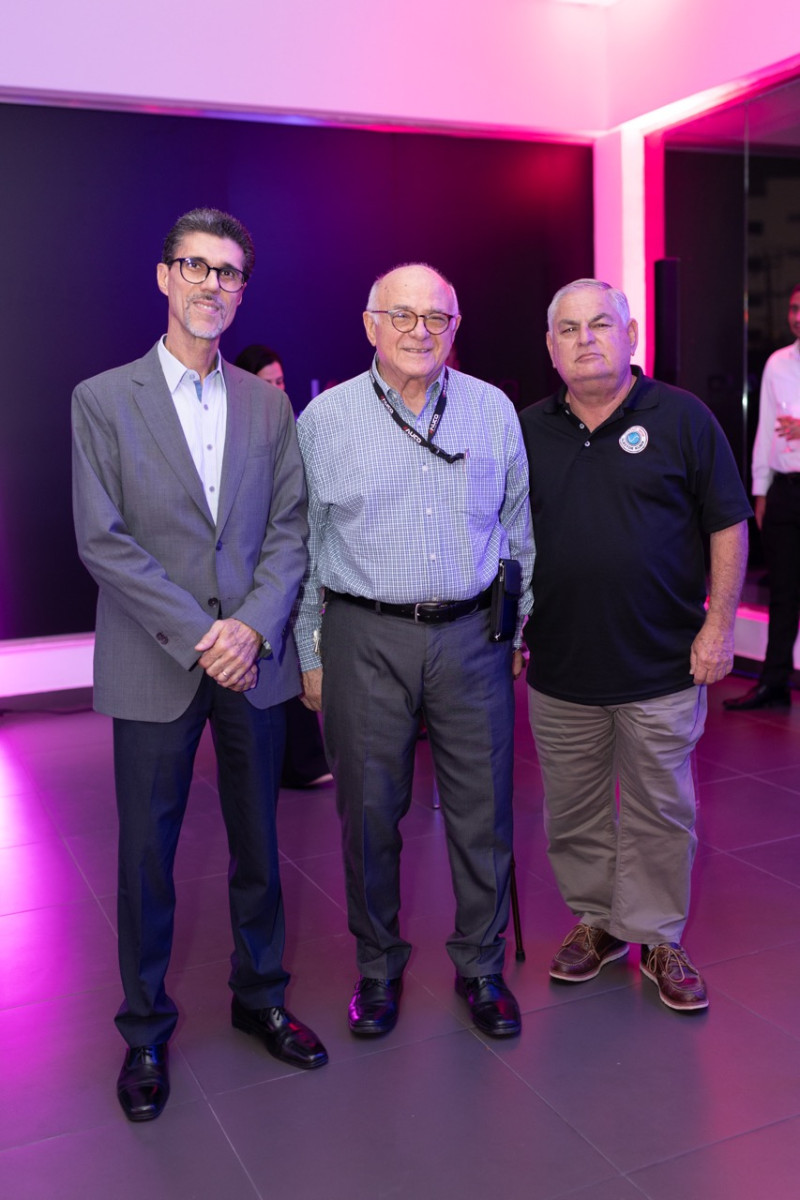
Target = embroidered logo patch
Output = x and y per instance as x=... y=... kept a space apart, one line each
x=634 y=440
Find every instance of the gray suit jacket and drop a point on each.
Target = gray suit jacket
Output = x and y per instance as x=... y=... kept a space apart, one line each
x=164 y=569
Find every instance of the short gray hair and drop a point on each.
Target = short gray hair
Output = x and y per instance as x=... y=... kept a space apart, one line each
x=218 y=224
x=372 y=298
x=617 y=298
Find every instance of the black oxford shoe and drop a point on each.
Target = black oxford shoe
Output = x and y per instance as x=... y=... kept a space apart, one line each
x=143 y=1083
x=284 y=1036
x=373 y=1009
x=494 y=1010
x=763 y=695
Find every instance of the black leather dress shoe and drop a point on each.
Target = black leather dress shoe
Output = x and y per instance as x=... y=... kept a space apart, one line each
x=494 y=1010
x=763 y=695
x=373 y=1009
x=143 y=1083
x=284 y=1036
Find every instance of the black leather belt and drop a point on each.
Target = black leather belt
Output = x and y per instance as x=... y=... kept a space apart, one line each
x=427 y=612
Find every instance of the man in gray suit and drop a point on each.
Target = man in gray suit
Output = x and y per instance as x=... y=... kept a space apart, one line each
x=190 y=514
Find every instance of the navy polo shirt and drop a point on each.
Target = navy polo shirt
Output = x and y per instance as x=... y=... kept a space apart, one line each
x=619 y=517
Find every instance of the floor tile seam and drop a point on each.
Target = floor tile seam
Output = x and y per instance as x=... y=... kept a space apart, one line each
x=732 y=772
x=720 y=990
x=734 y=851
x=437 y=834
x=744 y=777
x=581 y=1192
x=25 y=790
x=706 y=963
x=762 y=776
x=583 y=997
x=777 y=718
x=89 y=899
x=705 y=1146
x=309 y=879
x=55 y=836
x=95 y=829
x=56 y=999
x=737 y=857
x=179 y=878
x=733 y=958
x=530 y=878
x=92 y=893
x=63 y=1136
x=208 y=1099
x=615 y=1169
x=368 y=1051
x=257 y=1193
x=296 y=860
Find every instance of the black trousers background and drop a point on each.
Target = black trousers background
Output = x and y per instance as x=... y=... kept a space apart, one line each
x=304 y=760
x=781 y=540
x=153 y=765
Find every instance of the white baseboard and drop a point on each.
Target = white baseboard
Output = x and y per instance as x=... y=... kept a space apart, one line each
x=32 y=666
x=35 y=666
x=751 y=635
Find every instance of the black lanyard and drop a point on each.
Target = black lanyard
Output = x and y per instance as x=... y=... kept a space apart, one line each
x=438 y=413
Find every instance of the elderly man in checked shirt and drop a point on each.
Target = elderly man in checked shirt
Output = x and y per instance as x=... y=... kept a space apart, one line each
x=418 y=486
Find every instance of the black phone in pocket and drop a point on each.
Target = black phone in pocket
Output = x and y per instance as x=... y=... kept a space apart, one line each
x=505 y=600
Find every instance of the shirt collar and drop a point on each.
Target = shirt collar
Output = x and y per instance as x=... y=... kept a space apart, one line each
x=174 y=370
x=641 y=394
x=431 y=394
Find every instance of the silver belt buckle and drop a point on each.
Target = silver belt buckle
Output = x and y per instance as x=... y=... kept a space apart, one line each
x=427 y=606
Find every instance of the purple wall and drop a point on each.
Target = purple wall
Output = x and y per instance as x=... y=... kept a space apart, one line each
x=88 y=197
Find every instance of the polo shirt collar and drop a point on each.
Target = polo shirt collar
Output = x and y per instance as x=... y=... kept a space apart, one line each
x=642 y=395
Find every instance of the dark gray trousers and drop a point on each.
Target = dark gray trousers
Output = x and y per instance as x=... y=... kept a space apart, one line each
x=153 y=766
x=381 y=675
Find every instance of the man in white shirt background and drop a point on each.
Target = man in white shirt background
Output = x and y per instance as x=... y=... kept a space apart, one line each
x=776 y=492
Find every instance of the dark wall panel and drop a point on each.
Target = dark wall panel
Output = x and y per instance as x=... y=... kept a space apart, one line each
x=704 y=229
x=88 y=196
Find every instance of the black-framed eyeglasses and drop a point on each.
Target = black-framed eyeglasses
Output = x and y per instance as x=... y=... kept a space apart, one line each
x=195 y=270
x=404 y=320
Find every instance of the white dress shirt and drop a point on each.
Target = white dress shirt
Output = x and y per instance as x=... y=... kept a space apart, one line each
x=202 y=408
x=780 y=397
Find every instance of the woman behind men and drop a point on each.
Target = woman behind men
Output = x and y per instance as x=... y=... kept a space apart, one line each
x=304 y=763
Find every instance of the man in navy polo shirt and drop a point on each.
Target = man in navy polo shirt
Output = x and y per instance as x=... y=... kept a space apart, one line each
x=628 y=476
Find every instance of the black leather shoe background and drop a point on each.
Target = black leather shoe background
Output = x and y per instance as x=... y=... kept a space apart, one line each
x=494 y=1010
x=761 y=696
x=286 y=1038
x=143 y=1083
x=374 y=1007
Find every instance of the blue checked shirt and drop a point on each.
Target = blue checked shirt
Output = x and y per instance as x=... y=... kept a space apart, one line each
x=391 y=521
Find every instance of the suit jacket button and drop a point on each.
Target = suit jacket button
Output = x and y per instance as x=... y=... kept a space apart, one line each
x=212 y=601
x=219 y=545
x=162 y=637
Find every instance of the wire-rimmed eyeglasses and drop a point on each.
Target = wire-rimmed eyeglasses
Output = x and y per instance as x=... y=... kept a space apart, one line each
x=404 y=320
x=196 y=270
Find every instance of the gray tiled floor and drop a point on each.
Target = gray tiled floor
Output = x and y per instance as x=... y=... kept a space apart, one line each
x=606 y=1096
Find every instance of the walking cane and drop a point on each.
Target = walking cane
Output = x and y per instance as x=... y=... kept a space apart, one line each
x=520 y=949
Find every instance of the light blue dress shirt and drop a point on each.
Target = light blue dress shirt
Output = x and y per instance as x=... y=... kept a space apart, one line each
x=202 y=408
x=391 y=521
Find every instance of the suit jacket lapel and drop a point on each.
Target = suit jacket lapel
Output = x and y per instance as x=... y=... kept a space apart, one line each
x=237 y=441
x=152 y=396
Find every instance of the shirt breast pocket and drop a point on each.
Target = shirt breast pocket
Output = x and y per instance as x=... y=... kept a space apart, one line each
x=483 y=487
